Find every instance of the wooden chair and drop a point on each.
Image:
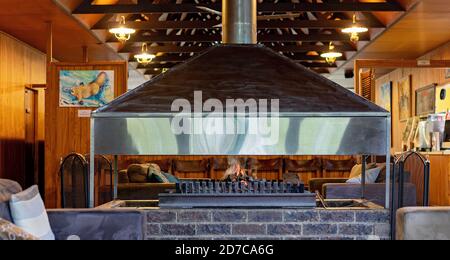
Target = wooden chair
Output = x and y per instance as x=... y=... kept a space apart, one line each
x=337 y=168
x=269 y=169
x=305 y=169
x=193 y=169
x=220 y=165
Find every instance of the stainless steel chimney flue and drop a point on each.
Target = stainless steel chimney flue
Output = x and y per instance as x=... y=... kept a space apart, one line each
x=239 y=23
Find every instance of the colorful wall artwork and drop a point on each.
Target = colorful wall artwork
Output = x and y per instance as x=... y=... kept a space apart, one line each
x=426 y=100
x=385 y=97
x=404 y=98
x=85 y=88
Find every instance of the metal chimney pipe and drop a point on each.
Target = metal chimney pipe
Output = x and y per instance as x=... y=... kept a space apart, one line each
x=239 y=23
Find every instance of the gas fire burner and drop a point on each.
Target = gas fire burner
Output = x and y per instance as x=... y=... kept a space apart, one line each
x=258 y=194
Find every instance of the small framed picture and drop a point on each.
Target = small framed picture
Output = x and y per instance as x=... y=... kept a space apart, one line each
x=385 y=97
x=425 y=100
x=447 y=73
x=404 y=98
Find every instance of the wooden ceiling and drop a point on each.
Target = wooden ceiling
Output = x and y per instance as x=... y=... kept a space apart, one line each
x=424 y=28
x=26 y=20
x=177 y=30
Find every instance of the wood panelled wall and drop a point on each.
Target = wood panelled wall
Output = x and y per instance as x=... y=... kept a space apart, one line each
x=440 y=180
x=20 y=65
x=65 y=131
x=440 y=164
x=420 y=78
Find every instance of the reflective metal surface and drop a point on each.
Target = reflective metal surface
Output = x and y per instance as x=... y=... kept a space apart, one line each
x=316 y=116
x=247 y=72
x=239 y=22
x=294 y=136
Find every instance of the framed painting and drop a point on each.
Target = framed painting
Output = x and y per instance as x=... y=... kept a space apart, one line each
x=447 y=73
x=408 y=129
x=410 y=132
x=426 y=100
x=404 y=98
x=85 y=88
x=385 y=97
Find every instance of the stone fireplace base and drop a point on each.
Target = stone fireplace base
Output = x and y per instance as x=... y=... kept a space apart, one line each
x=279 y=224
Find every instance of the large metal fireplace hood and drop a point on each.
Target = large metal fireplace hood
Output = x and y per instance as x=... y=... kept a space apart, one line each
x=316 y=116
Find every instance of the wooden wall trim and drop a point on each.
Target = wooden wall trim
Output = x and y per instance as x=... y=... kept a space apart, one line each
x=91 y=63
x=394 y=64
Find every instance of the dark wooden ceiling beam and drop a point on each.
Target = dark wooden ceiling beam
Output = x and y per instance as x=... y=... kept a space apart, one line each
x=168 y=58
x=153 y=72
x=146 y=7
x=313 y=64
x=317 y=70
x=157 y=66
x=275 y=24
x=318 y=65
x=261 y=38
x=177 y=58
x=195 y=49
x=129 y=48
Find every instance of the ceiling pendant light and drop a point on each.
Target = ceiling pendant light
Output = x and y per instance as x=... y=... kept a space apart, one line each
x=144 y=57
x=331 y=56
x=355 y=30
x=122 y=32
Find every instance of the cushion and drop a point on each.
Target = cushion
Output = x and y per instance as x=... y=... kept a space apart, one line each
x=9 y=231
x=123 y=177
x=303 y=165
x=382 y=176
x=5 y=212
x=357 y=169
x=161 y=177
x=138 y=173
x=8 y=188
x=171 y=178
x=371 y=177
x=28 y=212
x=153 y=169
x=155 y=175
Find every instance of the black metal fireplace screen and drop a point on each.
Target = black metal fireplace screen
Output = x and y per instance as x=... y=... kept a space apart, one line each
x=195 y=194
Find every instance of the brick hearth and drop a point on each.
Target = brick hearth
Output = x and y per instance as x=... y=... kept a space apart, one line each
x=212 y=224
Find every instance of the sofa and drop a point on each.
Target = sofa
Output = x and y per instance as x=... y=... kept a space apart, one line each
x=89 y=224
x=338 y=188
x=423 y=223
x=134 y=184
